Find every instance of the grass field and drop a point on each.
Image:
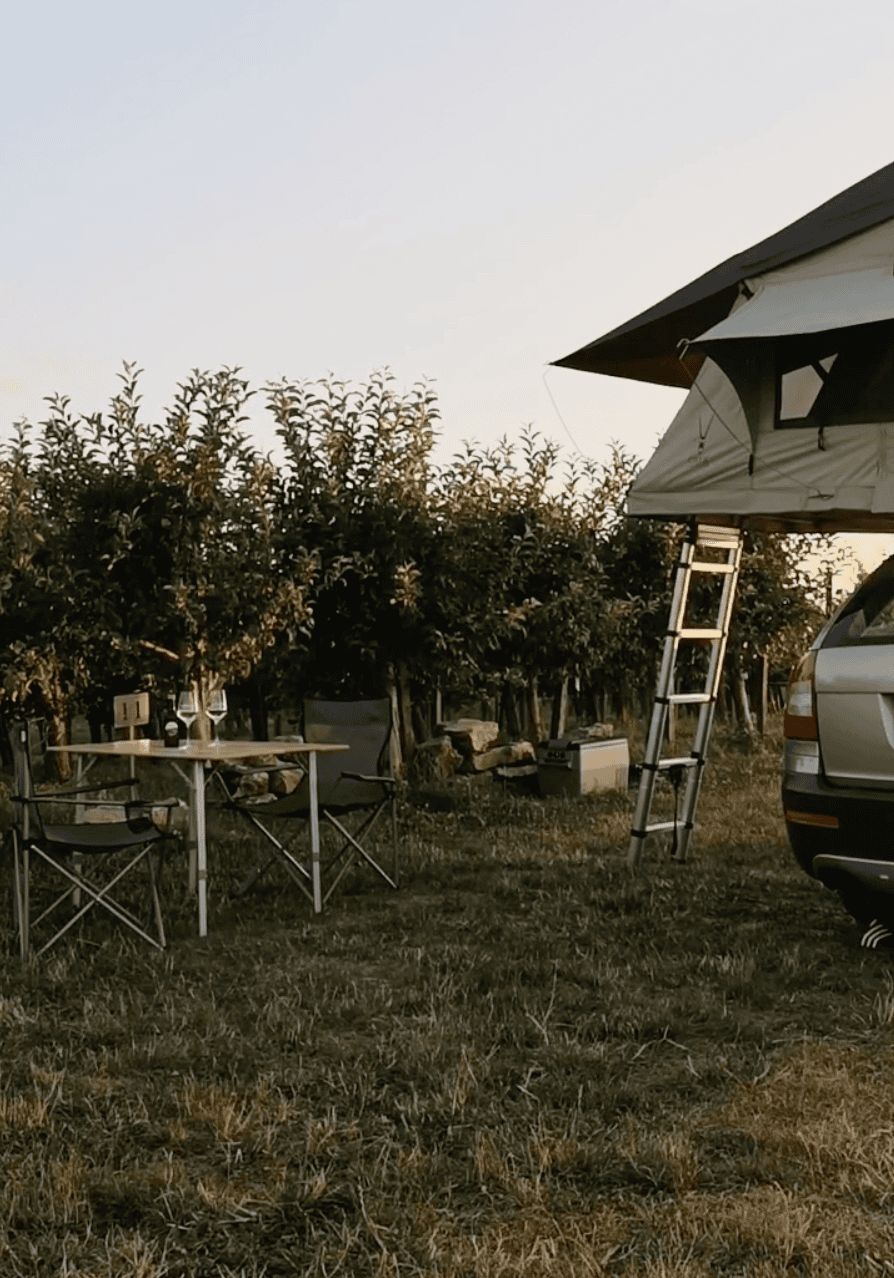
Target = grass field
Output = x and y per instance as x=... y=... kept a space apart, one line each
x=526 y=1062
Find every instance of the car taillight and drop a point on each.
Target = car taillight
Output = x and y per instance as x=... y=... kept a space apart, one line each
x=800 y=703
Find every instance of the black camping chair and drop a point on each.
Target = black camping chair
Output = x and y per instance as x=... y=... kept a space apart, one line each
x=67 y=848
x=356 y=780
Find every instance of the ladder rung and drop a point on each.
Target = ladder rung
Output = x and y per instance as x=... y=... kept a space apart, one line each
x=717 y=536
x=706 y=566
x=698 y=634
x=656 y=827
x=689 y=698
x=687 y=761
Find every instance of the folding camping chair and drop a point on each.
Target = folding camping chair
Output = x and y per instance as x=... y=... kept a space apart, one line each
x=66 y=848
x=357 y=780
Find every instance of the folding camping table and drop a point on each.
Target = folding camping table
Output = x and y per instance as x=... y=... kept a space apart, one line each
x=198 y=754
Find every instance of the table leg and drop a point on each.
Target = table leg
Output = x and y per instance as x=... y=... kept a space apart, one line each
x=77 y=859
x=315 y=835
x=198 y=813
x=189 y=779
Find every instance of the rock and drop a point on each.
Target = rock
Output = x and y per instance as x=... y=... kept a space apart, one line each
x=470 y=736
x=502 y=756
x=285 y=780
x=171 y=817
x=107 y=814
x=595 y=732
x=435 y=758
x=264 y=775
x=252 y=785
x=523 y=775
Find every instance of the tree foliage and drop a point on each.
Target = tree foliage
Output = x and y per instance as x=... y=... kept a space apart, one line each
x=354 y=495
x=161 y=554
x=142 y=554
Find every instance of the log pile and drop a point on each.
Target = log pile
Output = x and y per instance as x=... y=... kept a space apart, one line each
x=469 y=746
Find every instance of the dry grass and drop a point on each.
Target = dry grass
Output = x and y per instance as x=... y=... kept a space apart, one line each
x=527 y=1062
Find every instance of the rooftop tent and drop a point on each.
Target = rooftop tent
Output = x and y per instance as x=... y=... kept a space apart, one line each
x=788 y=350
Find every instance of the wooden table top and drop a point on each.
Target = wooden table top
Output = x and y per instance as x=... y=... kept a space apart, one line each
x=146 y=748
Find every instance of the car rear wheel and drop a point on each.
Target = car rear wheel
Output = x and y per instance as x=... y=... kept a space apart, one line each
x=864 y=906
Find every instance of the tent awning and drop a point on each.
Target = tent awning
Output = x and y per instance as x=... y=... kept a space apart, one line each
x=807 y=306
x=645 y=348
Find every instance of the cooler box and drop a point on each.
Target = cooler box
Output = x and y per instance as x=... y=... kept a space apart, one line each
x=580 y=767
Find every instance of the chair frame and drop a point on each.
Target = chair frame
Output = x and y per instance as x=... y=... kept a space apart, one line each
x=351 y=848
x=79 y=842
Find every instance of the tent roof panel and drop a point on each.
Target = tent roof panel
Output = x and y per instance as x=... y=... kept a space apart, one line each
x=645 y=348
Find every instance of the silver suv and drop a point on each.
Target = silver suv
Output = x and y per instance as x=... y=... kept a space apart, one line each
x=838 y=784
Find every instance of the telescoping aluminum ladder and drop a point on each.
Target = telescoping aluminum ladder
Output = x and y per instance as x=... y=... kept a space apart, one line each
x=706 y=537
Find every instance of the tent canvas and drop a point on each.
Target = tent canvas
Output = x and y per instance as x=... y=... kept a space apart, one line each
x=788 y=350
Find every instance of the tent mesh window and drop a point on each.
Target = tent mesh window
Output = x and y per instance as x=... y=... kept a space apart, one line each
x=839 y=387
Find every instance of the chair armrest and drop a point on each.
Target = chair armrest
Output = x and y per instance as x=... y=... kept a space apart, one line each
x=359 y=776
x=49 y=800
x=71 y=797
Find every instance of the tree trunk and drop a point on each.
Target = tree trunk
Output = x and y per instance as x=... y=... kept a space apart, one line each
x=200 y=728
x=59 y=734
x=743 y=709
x=257 y=707
x=760 y=693
x=421 y=729
x=202 y=683
x=509 y=712
x=560 y=712
x=646 y=704
x=48 y=680
x=97 y=722
x=407 y=735
x=722 y=710
x=535 y=719
x=397 y=760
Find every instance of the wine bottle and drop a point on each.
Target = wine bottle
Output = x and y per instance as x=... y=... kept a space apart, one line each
x=173 y=728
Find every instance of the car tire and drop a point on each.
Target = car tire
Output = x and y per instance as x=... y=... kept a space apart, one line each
x=865 y=906
x=805 y=845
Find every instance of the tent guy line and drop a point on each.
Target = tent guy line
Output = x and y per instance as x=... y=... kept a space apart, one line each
x=549 y=392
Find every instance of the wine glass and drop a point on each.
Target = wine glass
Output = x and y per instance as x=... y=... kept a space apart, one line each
x=217 y=710
x=187 y=709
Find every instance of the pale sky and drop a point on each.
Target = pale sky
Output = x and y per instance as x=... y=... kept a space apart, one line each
x=462 y=192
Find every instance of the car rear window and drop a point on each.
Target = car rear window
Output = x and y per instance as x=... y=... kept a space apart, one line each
x=868 y=616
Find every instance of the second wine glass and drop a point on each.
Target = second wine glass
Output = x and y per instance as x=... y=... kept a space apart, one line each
x=217 y=710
